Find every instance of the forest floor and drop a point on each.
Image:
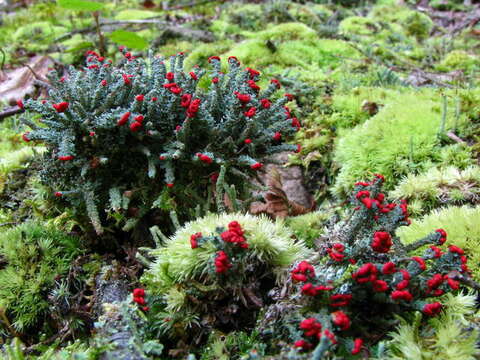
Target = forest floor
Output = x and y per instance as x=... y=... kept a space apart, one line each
x=96 y=257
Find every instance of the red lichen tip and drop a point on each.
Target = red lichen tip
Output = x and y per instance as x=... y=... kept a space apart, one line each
x=61 y=107
x=211 y=58
x=25 y=137
x=256 y=166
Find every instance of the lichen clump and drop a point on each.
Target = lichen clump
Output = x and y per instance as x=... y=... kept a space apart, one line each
x=157 y=117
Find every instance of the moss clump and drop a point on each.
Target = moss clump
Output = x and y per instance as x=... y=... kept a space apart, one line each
x=417 y=24
x=190 y=288
x=308 y=227
x=459 y=60
x=202 y=52
x=293 y=46
x=439 y=187
x=462 y=225
x=269 y=242
x=34 y=257
x=399 y=140
x=358 y=25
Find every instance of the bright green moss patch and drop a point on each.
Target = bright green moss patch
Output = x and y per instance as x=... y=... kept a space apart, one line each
x=308 y=227
x=293 y=46
x=438 y=187
x=402 y=138
x=462 y=225
x=269 y=242
x=34 y=256
x=459 y=60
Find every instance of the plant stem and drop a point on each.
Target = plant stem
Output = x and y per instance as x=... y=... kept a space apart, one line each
x=101 y=39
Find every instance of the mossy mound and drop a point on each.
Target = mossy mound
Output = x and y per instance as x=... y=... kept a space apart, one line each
x=308 y=227
x=191 y=291
x=462 y=225
x=269 y=242
x=459 y=60
x=398 y=140
x=293 y=46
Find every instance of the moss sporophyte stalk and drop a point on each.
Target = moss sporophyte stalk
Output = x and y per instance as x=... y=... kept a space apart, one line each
x=157 y=116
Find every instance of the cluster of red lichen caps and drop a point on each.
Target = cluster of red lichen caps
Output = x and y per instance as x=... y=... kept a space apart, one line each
x=379 y=278
x=234 y=235
x=135 y=122
x=139 y=298
x=365 y=198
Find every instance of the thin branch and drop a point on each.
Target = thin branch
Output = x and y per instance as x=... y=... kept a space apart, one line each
x=101 y=39
x=38 y=77
x=3 y=59
x=10 y=112
x=466 y=281
x=192 y=4
x=454 y=137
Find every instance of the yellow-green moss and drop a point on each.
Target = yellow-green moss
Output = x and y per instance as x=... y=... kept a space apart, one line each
x=269 y=242
x=308 y=227
x=459 y=60
x=462 y=225
x=438 y=187
x=358 y=25
x=400 y=139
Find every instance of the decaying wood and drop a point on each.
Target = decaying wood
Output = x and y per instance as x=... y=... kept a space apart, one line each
x=111 y=289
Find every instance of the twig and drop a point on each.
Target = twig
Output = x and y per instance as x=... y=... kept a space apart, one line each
x=38 y=77
x=62 y=335
x=454 y=137
x=466 y=281
x=192 y=4
x=8 y=223
x=10 y=112
x=101 y=39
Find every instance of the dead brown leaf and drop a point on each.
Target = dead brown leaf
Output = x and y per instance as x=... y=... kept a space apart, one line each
x=277 y=203
x=17 y=83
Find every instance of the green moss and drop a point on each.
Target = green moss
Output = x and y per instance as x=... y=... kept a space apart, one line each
x=417 y=24
x=462 y=225
x=269 y=242
x=358 y=25
x=459 y=60
x=34 y=257
x=398 y=140
x=294 y=46
x=352 y=105
x=246 y=16
x=199 y=56
x=438 y=187
x=308 y=227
